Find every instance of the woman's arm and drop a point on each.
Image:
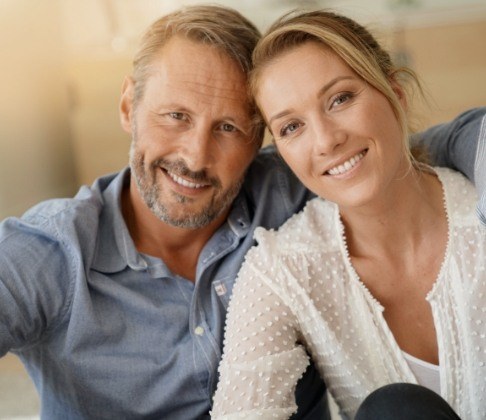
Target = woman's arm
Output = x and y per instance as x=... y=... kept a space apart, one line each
x=262 y=361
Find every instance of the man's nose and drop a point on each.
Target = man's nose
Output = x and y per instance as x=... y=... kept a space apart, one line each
x=199 y=149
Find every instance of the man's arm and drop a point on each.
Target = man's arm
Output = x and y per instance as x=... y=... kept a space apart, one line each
x=35 y=286
x=480 y=171
x=461 y=144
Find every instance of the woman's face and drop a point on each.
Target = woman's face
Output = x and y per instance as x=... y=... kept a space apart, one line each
x=337 y=133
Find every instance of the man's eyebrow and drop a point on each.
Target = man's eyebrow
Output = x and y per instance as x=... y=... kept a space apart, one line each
x=321 y=92
x=174 y=106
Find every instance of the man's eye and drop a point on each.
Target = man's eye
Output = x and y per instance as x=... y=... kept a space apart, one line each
x=228 y=127
x=177 y=115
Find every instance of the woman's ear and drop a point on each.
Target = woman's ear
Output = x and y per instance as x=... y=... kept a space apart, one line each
x=400 y=92
x=126 y=104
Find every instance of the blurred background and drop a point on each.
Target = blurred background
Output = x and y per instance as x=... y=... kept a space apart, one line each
x=63 y=62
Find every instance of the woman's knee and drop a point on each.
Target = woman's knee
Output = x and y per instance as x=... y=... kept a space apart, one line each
x=405 y=401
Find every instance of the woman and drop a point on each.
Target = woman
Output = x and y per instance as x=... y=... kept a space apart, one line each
x=382 y=282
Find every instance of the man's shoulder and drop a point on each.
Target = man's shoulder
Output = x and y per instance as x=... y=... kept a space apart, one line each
x=60 y=219
x=480 y=171
x=60 y=210
x=267 y=162
x=269 y=178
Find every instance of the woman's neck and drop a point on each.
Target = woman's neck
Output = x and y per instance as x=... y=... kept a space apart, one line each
x=397 y=247
x=401 y=217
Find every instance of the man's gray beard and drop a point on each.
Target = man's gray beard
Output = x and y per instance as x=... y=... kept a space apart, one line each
x=150 y=193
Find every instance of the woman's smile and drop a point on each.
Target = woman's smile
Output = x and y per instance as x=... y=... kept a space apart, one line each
x=346 y=166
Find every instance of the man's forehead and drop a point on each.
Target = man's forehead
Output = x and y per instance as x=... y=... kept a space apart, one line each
x=197 y=69
x=189 y=58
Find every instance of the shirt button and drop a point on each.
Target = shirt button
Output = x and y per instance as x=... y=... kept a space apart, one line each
x=199 y=330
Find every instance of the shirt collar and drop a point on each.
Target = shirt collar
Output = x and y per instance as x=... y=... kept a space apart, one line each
x=115 y=249
x=239 y=219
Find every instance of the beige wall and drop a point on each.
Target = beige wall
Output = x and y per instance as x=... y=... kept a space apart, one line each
x=59 y=103
x=451 y=60
x=99 y=144
x=35 y=150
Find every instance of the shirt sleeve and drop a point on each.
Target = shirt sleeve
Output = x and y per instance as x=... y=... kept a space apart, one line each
x=460 y=144
x=454 y=144
x=262 y=359
x=480 y=171
x=34 y=284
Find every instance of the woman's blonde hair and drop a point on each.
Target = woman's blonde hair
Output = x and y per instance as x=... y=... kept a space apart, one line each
x=353 y=43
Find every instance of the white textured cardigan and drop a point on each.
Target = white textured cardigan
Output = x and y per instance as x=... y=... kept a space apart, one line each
x=298 y=292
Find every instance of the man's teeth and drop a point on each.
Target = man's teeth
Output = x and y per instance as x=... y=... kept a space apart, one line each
x=183 y=182
x=346 y=166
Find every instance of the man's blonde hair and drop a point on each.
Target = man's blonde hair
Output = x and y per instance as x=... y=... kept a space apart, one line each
x=220 y=27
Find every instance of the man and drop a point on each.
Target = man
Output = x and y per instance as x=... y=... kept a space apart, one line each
x=115 y=300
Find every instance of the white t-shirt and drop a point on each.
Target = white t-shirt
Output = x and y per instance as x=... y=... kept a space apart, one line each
x=425 y=373
x=298 y=294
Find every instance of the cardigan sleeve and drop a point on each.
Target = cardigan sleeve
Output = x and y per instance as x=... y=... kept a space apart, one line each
x=262 y=359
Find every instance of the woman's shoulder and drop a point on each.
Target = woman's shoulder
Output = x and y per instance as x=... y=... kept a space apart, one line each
x=315 y=227
x=460 y=197
x=282 y=258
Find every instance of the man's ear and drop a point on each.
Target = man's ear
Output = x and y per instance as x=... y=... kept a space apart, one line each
x=126 y=104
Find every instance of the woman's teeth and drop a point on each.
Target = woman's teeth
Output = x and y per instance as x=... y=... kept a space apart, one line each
x=346 y=166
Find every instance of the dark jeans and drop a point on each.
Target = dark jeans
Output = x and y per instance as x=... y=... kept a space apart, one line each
x=405 y=402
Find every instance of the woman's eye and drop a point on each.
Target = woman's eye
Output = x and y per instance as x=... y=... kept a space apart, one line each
x=289 y=128
x=341 y=98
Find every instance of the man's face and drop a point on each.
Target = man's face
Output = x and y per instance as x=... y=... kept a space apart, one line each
x=192 y=134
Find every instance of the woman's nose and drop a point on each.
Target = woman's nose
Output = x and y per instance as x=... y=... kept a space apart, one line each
x=328 y=136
